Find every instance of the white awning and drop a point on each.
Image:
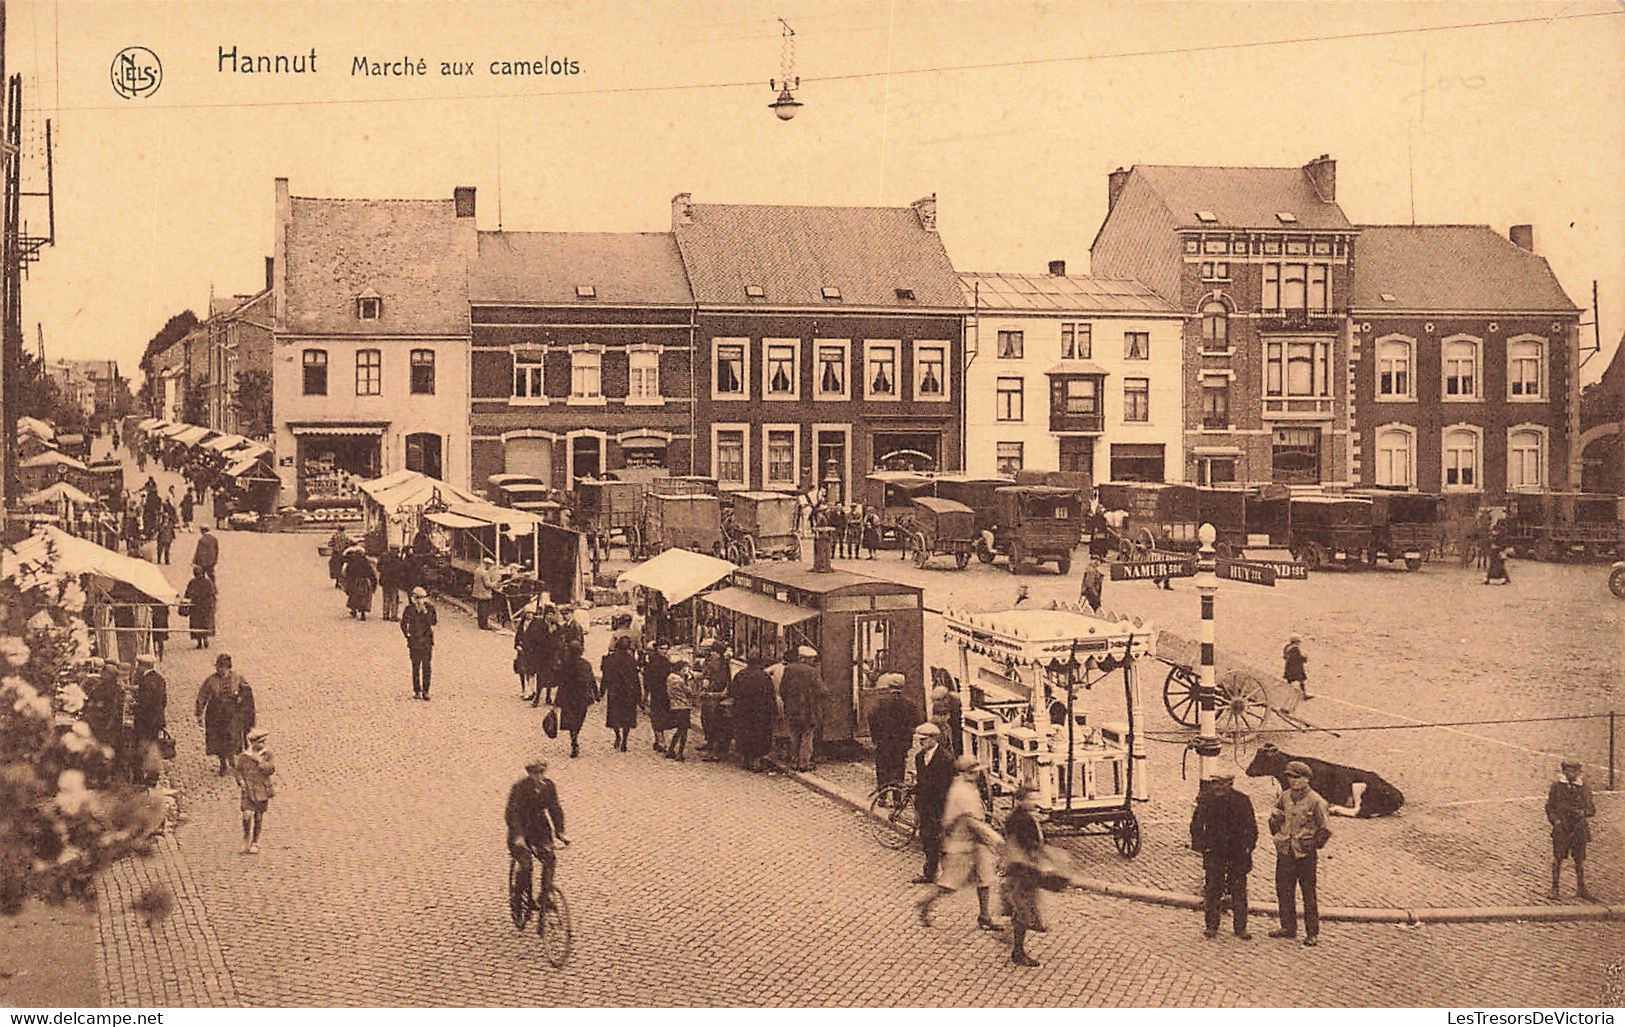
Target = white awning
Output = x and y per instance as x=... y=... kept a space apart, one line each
x=50 y=457
x=224 y=442
x=192 y=435
x=337 y=429
x=452 y=520
x=60 y=553
x=677 y=574
x=151 y=422
x=56 y=494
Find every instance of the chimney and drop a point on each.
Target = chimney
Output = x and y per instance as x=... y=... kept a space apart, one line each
x=1057 y=269
x=926 y=208
x=1114 y=187
x=462 y=198
x=279 y=250
x=270 y=273
x=1322 y=172
x=682 y=209
x=1522 y=236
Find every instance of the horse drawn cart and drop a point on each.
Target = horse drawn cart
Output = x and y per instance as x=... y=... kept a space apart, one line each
x=689 y=521
x=606 y=509
x=1034 y=718
x=761 y=525
x=942 y=527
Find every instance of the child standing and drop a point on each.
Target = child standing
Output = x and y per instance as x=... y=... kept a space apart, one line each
x=1568 y=807
x=254 y=770
x=1295 y=672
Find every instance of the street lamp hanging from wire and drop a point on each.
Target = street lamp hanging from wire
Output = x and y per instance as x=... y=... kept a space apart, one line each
x=786 y=104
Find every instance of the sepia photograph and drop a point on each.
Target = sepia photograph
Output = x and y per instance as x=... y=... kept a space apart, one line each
x=936 y=505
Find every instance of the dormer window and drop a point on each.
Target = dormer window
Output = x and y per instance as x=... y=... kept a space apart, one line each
x=831 y=292
x=1286 y=217
x=1207 y=217
x=1388 y=297
x=755 y=292
x=586 y=292
x=905 y=295
x=369 y=308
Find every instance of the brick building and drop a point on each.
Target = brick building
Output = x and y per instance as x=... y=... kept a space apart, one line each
x=581 y=356
x=370 y=366
x=1260 y=262
x=1072 y=373
x=1464 y=363
x=239 y=337
x=828 y=341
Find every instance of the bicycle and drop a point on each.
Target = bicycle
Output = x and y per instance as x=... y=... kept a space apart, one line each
x=552 y=918
x=893 y=819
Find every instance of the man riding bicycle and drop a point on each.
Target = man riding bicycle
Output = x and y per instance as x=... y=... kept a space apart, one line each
x=535 y=821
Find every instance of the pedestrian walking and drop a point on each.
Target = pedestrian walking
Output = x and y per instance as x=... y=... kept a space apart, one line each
x=1094 y=584
x=1568 y=808
x=486 y=580
x=621 y=688
x=207 y=553
x=933 y=773
x=1497 y=572
x=160 y=628
x=199 y=607
x=338 y=546
x=549 y=644
x=854 y=530
x=755 y=708
x=1224 y=830
x=578 y=689
x=225 y=710
x=682 y=694
x=1299 y=828
x=891 y=729
x=187 y=505
x=1295 y=668
x=166 y=535
x=656 y=696
x=391 y=572
x=148 y=720
x=360 y=580
x=417 y=626
x=716 y=702
x=254 y=768
x=1025 y=867
x=802 y=691
x=871 y=532
x=969 y=847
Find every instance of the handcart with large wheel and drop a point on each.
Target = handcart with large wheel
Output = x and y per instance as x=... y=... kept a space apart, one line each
x=1033 y=717
x=1241 y=702
x=761 y=526
x=942 y=527
x=606 y=509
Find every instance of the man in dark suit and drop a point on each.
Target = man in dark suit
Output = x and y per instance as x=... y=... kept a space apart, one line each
x=417 y=624
x=933 y=773
x=535 y=821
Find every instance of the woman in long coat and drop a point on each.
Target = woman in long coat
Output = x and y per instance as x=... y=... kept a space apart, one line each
x=200 y=600
x=656 y=669
x=359 y=582
x=754 y=710
x=621 y=688
x=225 y=708
x=578 y=689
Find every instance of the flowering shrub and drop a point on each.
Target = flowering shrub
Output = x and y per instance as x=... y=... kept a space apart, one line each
x=62 y=813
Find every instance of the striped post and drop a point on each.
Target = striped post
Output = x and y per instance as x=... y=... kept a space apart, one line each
x=1207 y=584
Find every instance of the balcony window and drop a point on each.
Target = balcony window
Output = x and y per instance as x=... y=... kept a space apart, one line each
x=1136 y=399
x=1294 y=279
x=1077 y=341
x=1010 y=400
x=1297 y=369
x=1215 y=327
x=315 y=368
x=1009 y=457
x=1011 y=345
x=1319 y=287
x=1526 y=358
x=1394 y=378
x=1270 y=297
x=369 y=372
x=1216 y=403
x=423 y=372
x=1461 y=369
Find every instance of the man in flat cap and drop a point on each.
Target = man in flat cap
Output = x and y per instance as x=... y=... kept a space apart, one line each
x=1224 y=830
x=417 y=626
x=1299 y=828
x=933 y=774
x=891 y=727
x=802 y=691
x=147 y=720
x=1568 y=807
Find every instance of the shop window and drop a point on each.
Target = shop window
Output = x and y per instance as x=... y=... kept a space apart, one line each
x=1010 y=401
x=1295 y=456
x=369 y=372
x=1396 y=457
x=423 y=454
x=1137 y=461
x=1215 y=470
x=315 y=368
x=1136 y=399
x=423 y=373
x=1009 y=457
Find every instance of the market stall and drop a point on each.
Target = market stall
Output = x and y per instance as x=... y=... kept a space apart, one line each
x=47 y=468
x=667 y=582
x=862 y=627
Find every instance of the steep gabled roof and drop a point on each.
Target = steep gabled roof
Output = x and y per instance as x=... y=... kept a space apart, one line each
x=622 y=269
x=1046 y=294
x=414 y=254
x=794 y=253
x=1451 y=268
x=1241 y=197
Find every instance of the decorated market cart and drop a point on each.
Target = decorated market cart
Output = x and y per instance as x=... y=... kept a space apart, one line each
x=1034 y=718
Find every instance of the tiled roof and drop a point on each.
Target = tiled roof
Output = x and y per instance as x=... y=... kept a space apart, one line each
x=1450 y=268
x=414 y=254
x=795 y=253
x=622 y=268
x=1061 y=294
x=1241 y=197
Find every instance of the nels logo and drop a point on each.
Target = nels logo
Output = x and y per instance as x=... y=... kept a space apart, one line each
x=136 y=72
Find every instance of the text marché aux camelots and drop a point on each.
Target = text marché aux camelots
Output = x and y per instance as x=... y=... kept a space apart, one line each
x=233 y=62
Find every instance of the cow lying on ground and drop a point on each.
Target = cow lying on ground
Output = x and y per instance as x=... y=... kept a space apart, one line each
x=1348 y=792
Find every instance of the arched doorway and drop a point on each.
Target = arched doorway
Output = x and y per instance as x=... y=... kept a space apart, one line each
x=586 y=457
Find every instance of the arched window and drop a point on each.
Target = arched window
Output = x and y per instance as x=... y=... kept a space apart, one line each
x=1395 y=368
x=1526 y=458
x=1461 y=370
x=1396 y=456
x=1526 y=368
x=1462 y=451
x=1215 y=326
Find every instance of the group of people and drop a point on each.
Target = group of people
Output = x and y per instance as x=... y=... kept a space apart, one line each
x=856 y=526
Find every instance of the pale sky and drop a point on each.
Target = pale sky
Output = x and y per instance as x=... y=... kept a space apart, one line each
x=162 y=197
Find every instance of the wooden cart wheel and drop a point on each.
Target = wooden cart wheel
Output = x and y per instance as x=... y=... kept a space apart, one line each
x=1413 y=563
x=747 y=545
x=634 y=541
x=1014 y=558
x=961 y=557
x=1145 y=540
x=1616 y=582
x=1179 y=695
x=1063 y=566
x=1242 y=706
x=983 y=553
x=1126 y=835
x=1125 y=547
x=921 y=548
x=1224 y=551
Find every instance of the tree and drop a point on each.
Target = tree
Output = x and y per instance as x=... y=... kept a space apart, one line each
x=173 y=330
x=64 y=813
x=195 y=404
x=37 y=394
x=251 y=396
